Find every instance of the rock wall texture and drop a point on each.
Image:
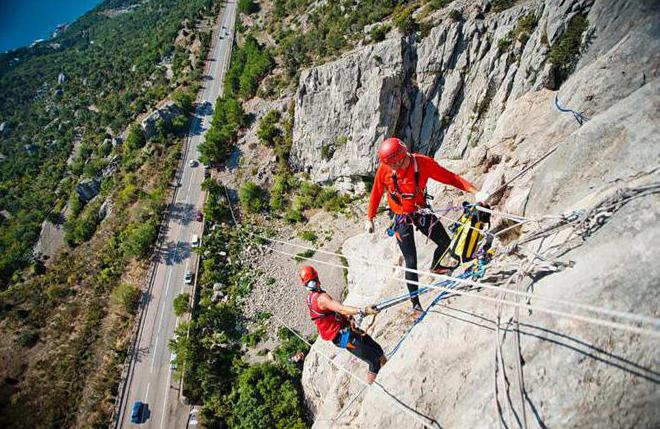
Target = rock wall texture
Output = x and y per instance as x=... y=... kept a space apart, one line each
x=446 y=92
x=574 y=374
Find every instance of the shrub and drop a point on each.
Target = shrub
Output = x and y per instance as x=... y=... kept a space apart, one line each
x=327 y=151
x=306 y=254
x=565 y=53
x=135 y=139
x=290 y=345
x=251 y=339
x=138 y=238
x=501 y=5
x=268 y=130
x=180 y=304
x=247 y=6
x=251 y=196
x=126 y=297
x=293 y=216
x=265 y=397
x=504 y=44
x=378 y=32
x=308 y=236
x=405 y=21
x=438 y=4
x=184 y=100
x=455 y=15
x=28 y=339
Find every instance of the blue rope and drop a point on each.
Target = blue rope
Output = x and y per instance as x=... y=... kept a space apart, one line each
x=446 y=283
x=579 y=116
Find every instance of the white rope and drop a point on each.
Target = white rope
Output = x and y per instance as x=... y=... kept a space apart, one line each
x=423 y=420
x=605 y=311
x=587 y=319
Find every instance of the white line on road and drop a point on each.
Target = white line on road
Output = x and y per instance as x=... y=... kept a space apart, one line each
x=154 y=357
x=146 y=396
x=167 y=394
x=169 y=277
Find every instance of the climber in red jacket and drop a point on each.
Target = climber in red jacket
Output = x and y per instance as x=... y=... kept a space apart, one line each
x=403 y=176
x=333 y=321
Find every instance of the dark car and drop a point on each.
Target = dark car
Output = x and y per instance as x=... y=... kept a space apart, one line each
x=136 y=413
x=199 y=216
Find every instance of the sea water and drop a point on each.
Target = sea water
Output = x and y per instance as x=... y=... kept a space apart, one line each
x=24 y=21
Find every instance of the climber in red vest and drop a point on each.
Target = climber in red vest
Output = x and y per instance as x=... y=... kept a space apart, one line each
x=403 y=175
x=333 y=321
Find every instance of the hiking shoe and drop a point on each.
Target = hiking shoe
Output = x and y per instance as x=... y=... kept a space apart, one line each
x=416 y=311
x=442 y=270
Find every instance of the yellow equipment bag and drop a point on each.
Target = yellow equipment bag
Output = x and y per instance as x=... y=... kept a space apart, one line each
x=468 y=232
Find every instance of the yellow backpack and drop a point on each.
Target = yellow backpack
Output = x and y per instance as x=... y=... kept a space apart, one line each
x=468 y=232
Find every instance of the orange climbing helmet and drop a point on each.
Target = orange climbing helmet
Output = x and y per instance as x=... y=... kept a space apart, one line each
x=309 y=277
x=392 y=150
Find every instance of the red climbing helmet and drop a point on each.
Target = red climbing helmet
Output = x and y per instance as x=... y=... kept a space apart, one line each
x=307 y=274
x=392 y=150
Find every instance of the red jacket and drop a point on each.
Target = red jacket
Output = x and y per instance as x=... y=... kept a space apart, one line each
x=327 y=322
x=405 y=178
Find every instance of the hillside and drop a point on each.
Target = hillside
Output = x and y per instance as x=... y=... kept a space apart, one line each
x=79 y=166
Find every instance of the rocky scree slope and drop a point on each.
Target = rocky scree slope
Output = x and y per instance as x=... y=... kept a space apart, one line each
x=485 y=111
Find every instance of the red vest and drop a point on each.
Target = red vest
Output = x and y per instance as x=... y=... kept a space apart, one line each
x=327 y=322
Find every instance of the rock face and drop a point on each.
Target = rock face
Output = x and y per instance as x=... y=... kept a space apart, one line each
x=449 y=89
x=165 y=113
x=343 y=108
x=574 y=374
x=88 y=189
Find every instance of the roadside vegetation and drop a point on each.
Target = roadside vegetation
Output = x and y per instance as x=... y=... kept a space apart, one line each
x=234 y=393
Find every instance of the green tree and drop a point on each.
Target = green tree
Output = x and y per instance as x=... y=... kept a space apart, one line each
x=180 y=304
x=184 y=100
x=247 y=6
x=251 y=197
x=138 y=238
x=266 y=397
x=125 y=296
x=268 y=129
x=135 y=139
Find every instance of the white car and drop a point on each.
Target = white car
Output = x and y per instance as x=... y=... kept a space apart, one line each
x=173 y=364
x=194 y=417
x=195 y=240
x=188 y=277
x=193 y=163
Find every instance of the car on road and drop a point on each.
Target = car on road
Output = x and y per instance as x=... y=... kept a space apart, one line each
x=137 y=411
x=193 y=163
x=223 y=32
x=199 y=216
x=188 y=277
x=193 y=418
x=173 y=364
x=195 y=240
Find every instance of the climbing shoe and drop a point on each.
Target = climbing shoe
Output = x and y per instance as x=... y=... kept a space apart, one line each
x=416 y=311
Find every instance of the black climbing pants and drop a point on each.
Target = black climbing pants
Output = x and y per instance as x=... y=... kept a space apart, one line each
x=364 y=347
x=430 y=226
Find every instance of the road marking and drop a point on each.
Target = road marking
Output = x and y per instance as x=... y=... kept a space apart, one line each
x=146 y=396
x=167 y=394
x=169 y=277
x=154 y=356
